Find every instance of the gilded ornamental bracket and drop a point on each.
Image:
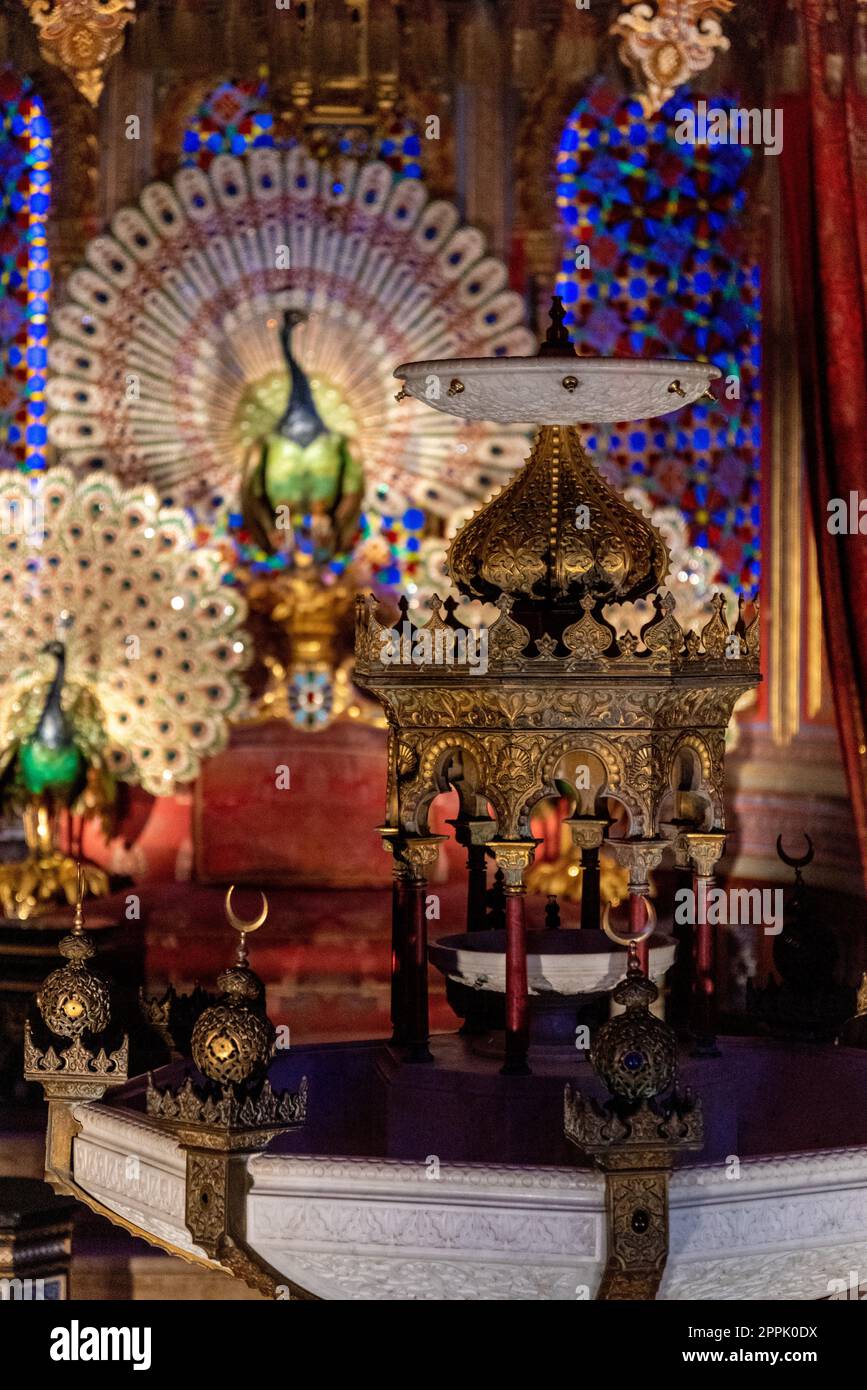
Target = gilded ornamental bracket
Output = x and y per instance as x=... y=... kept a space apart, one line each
x=635 y=1136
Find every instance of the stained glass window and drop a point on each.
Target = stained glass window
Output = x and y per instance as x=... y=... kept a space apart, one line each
x=655 y=264
x=236 y=117
x=231 y=120
x=25 y=272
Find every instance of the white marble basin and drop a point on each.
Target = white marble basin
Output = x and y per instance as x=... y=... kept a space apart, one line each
x=566 y=962
x=556 y=390
x=792 y=1227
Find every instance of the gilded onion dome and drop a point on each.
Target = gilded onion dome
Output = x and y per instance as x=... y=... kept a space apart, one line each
x=557 y=532
x=233 y=1040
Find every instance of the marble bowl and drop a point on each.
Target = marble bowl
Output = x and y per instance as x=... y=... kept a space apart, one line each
x=567 y=962
x=556 y=390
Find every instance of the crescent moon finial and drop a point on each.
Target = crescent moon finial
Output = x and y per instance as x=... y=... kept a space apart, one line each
x=235 y=921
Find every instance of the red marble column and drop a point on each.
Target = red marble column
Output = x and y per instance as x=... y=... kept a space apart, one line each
x=513 y=857
x=419 y=852
x=517 y=999
x=640 y=857
x=705 y=962
x=417 y=1021
x=704 y=849
x=399 y=932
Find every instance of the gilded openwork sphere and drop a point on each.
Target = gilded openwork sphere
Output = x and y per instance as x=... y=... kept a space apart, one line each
x=231 y=1042
x=635 y=1053
x=74 y=1000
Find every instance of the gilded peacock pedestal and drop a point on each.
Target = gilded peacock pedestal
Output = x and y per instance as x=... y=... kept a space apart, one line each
x=36 y=885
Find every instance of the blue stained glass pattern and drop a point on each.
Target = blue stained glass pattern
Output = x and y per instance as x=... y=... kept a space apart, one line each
x=25 y=272
x=666 y=273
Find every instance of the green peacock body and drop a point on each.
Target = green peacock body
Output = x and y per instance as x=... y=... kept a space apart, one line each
x=303 y=465
x=49 y=761
x=139 y=689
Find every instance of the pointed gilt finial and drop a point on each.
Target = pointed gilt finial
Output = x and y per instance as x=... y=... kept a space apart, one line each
x=557 y=342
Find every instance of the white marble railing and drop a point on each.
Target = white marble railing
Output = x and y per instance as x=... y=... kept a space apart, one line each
x=363 y=1228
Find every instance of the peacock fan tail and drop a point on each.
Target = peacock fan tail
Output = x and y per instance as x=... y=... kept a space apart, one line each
x=166 y=360
x=153 y=650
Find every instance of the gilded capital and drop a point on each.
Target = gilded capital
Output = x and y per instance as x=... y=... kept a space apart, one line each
x=391 y=837
x=514 y=857
x=420 y=851
x=587 y=832
x=681 y=851
x=705 y=850
x=639 y=857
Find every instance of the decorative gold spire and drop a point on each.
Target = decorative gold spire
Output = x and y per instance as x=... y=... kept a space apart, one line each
x=233 y=1041
x=556 y=533
x=557 y=341
x=75 y=999
x=232 y=1044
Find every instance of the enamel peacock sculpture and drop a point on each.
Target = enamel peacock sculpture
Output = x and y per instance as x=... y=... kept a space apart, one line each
x=170 y=358
x=122 y=661
x=231 y=339
x=302 y=469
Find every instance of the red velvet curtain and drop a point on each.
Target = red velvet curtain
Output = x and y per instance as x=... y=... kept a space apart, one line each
x=824 y=179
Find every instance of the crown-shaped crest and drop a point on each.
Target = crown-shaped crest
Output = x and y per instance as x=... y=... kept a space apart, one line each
x=75 y=1063
x=414 y=651
x=173 y=1016
x=232 y=1044
x=645 y=1127
x=258 y=1108
x=74 y=1003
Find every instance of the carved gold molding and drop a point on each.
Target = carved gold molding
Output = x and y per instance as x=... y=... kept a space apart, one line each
x=81 y=37
x=785 y=533
x=815 y=691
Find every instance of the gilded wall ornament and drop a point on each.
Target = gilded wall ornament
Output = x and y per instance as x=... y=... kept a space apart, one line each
x=667 y=43
x=81 y=37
